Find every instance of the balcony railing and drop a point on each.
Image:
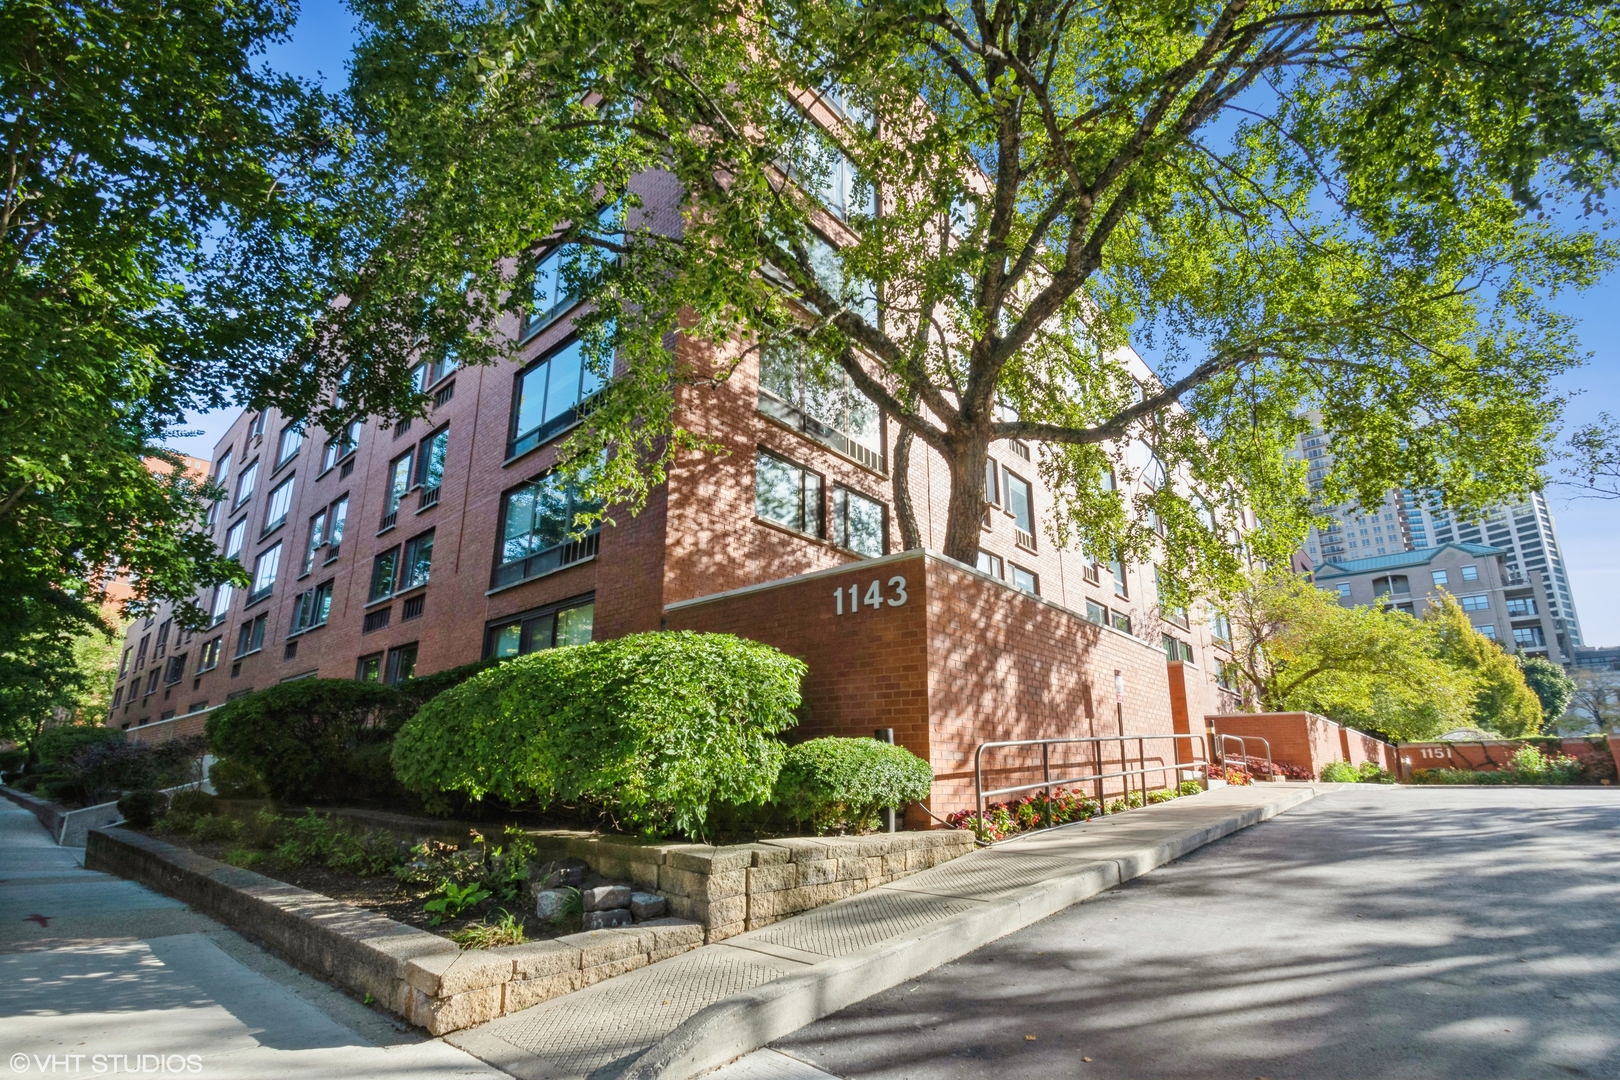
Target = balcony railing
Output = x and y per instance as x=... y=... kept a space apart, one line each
x=389 y=520
x=552 y=558
x=429 y=497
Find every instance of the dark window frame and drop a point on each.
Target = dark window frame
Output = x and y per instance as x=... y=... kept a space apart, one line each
x=525 y=620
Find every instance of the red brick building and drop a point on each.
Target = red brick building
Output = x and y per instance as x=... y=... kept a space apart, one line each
x=413 y=547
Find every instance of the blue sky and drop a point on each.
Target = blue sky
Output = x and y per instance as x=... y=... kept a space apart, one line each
x=1588 y=529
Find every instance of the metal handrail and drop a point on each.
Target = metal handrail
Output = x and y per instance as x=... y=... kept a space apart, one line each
x=1200 y=762
x=1243 y=751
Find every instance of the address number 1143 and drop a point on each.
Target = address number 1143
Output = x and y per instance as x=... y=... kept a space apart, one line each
x=873 y=597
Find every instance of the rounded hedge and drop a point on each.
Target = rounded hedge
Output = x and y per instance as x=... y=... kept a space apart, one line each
x=654 y=728
x=840 y=784
x=305 y=738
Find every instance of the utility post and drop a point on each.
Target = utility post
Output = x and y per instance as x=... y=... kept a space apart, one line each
x=886 y=735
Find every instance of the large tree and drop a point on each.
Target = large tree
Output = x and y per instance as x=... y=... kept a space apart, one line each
x=158 y=204
x=1283 y=204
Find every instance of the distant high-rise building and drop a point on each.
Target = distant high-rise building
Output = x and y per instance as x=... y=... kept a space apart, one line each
x=1414 y=521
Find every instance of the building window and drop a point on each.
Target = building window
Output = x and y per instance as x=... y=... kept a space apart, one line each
x=399 y=482
x=369 y=668
x=152 y=681
x=1220 y=627
x=1121 y=621
x=208 y=659
x=787 y=494
x=1176 y=649
x=123 y=665
x=418 y=561
x=222 y=471
x=118 y=697
x=384 y=572
x=336 y=515
x=430 y=465
x=256 y=428
x=548 y=396
x=341 y=446
x=1470 y=573
x=541 y=629
x=163 y=636
x=311 y=608
x=250 y=638
x=317 y=537
x=244 y=484
x=1521 y=607
x=401 y=663
x=990 y=564
x=222 y=602
x=1478 y=602
x=1024 y=580
x=1344 y=590
x=140 y=653
x=234 y=539
x=277 y=505
x=1096 y=613
x=859 y=523
x=1489 y=630
x=264 y=572
x=292 y=436
x=558 y=274
x=175 y=671
x=1439 y=576
x=820 y=403
x=1121 y=585
x=1021 y=505
x=992 y=482
x=537 y=522
x=1529 y=637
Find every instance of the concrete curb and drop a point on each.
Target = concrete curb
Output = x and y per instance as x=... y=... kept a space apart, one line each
x=745 y=1022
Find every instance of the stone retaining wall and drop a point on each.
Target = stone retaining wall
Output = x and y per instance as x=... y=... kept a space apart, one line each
x=426 y=979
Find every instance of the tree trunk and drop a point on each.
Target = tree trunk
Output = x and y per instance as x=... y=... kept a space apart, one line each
x=910 y=535
x=964 y=518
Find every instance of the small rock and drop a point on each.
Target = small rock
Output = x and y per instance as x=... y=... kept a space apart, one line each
x=548 y=903
x=646 y=905
x=605 y=920
x=559 y=874
x=606 y=897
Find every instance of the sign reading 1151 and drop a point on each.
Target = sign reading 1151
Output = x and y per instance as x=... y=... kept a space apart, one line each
x=874 y=595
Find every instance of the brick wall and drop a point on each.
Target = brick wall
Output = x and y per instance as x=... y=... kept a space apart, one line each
x=1302 y=739
x=962 y=660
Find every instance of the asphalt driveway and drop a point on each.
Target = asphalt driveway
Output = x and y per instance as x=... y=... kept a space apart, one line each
x=1376 y=931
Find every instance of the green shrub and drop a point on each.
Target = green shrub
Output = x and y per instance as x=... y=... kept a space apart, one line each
x=1340 y=772
x=54 y=746
x=654 y=728
x=246 y=858
x=141 y=808
x=193 y=803
x=839 y=785
x=1370 y=772
x=234 y=780
x=216 y=827
x=418 y=691
x=12 y=761
x=306 y=738
x=316 y=839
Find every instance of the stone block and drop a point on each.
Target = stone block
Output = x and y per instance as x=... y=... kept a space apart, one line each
x=606 y=897
x=646 y=905
x=549 y=903
x=728 y=930
x=806 y=897
x=670 y=933
x=672 y=880
x=601 y=946
x=523 y=993
x=442 y=1015
x=558 y=874
x=541 y=959
x=802 y=850
x=606 y=920
x=769 y=855
x=783 y=875
x=731 y=909
x=894 y=864
x=819 y=872
x=612 y=969
x=693 y=858
x=441 y=975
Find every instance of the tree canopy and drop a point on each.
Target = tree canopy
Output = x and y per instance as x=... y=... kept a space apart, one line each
x=157 y=216
x=972 y=211
x=1594 y=450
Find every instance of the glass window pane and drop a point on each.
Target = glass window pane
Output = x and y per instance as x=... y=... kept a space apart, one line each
x=1020 y=503
x=382 y=573
x=531 y=400
x=552 y=519
x=863 y=524
x=562 y=391
x=537 y=633
x=264 y=571
x=418 y=560
x=574 y=625
x=517 y=525
x=433 y=460
x=340 y=513
x=811 y=511
x=777 y=491
x=506 y=640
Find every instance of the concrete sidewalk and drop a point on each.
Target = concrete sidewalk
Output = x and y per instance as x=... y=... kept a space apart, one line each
x=684 y=1016
x=98 y=971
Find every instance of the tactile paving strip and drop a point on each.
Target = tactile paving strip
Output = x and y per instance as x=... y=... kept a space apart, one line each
x=987 y=873
x=860 y=922
x=613 y=1020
